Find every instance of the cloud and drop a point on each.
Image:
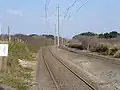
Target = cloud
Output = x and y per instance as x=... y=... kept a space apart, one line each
x=15 y=12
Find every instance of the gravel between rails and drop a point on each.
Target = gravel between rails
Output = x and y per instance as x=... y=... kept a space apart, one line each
x=63 y=76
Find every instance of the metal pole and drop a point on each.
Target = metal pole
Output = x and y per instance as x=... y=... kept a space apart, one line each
x=58 y=28
x=55 y=36
x=9 y=38
x=62 y=40
x=1 y=62
x=1 y=35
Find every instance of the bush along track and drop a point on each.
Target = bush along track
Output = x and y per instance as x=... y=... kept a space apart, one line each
x=18 y=76
x=107 y=49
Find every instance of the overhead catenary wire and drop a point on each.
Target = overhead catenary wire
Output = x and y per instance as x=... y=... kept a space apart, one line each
x=47 y=21
x=68 y=9
x=80 y=7
x=47 y=2
x=46 y=8
x=86 y=1
x=66 y=13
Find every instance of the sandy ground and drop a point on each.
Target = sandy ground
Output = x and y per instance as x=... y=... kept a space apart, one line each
x=107 y=73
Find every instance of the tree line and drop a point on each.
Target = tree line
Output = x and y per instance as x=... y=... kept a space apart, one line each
x=107 y=35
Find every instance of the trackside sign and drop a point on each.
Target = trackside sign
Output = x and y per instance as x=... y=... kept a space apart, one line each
x=3 y=49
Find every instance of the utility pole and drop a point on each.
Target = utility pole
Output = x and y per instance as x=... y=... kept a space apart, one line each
x=1 y=30
x=62 y=40
x=1 y=61
x=55 y=35
x=9 y=38
x=58 y=28
x=2 y=39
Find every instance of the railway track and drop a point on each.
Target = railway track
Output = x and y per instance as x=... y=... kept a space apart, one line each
x=64 y=77
x=53 y=78
x=43 y=77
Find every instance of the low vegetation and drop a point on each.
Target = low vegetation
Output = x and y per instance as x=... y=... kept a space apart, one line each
x=117 y=54
x=22 y=51
x=107 y=35
x=100 y=48
x=113 y=49
x=104 y=43
x=34 y=41
x=76 y=45
x=17 y=76
x=88 y=34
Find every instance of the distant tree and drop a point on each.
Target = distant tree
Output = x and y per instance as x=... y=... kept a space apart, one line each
x=114 y=34
x=49 y=36
x=107 y=35
x=101 y=35
x=32 y=35
x=19 y=35
x=88 y=34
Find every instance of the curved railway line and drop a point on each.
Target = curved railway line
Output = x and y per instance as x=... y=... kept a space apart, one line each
x=76 y=77
x=47 y=66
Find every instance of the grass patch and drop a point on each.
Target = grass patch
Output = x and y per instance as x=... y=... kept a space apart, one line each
x=17 y=76
x=117 y=54
x=15 y=83
x=76 y=45
x=35 y=43
x=100 y=48
x=19 y=51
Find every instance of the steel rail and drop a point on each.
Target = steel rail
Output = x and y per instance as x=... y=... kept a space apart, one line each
x=77 y=75
x=53 y=78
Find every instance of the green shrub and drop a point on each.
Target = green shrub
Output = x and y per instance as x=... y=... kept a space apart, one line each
x=19 y=51
x=92 y=48
x=101 y=48
x=113 y=49
x=16 y=83
x=17 y=76
x=76 y=45
x=117 y=54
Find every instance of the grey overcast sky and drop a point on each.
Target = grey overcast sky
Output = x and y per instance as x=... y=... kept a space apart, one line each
x=28 y=16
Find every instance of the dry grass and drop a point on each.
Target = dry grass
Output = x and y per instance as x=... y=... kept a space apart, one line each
x=76 y=45
x=102 y=46
x=117 y=54
x=16 y=75
x=34 y=43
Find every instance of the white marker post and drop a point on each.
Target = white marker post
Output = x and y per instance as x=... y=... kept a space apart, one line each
x=3 y=53
x=4 y=50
